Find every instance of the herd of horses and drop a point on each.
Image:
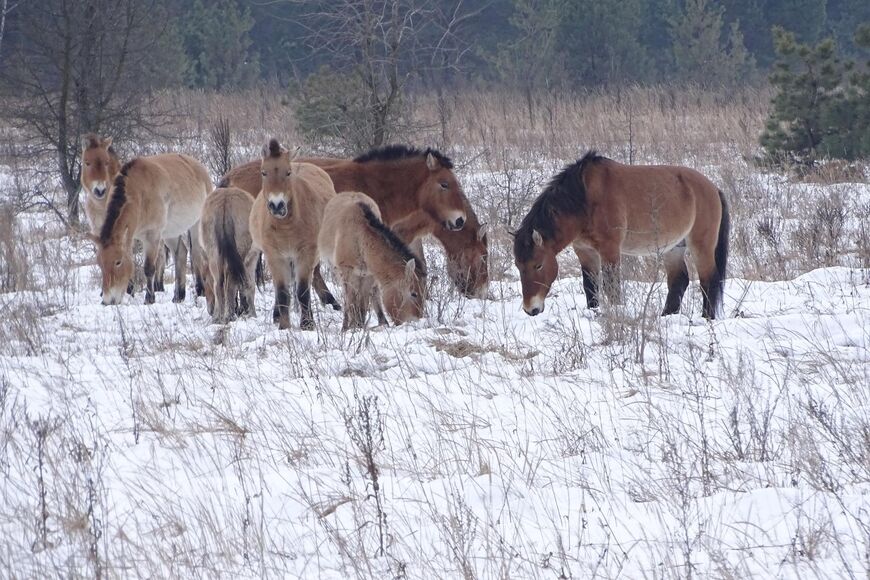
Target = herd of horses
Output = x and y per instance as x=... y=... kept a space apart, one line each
x=366 y=218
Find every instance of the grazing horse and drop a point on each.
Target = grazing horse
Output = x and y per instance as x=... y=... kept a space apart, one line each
x=604 y=209
x=285 y=220
x=417 y=193
x=371 y=261
x=152 y=199
x=230 y=260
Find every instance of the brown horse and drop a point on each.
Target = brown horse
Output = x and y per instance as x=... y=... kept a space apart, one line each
x=417 y=193
x=604 y=209
x=285 y=220
x=371 y=261
x=230 y=260
x=152 y=199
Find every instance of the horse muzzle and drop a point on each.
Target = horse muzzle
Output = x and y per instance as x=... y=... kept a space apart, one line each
x=279 y=209
x=455 y=224
x=535 y=306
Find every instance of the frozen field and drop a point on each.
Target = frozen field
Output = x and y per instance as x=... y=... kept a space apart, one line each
x=478 y=443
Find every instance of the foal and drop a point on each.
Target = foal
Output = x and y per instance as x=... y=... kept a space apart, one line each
x=370 y=260
x=285 y=220
x=229 y=257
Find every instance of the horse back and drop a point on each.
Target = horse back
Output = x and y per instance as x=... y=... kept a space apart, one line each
x=655 y=206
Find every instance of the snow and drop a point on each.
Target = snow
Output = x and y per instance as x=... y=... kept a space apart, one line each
x=572 y=444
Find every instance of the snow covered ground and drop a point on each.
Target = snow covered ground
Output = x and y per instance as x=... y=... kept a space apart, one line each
x=478 y=443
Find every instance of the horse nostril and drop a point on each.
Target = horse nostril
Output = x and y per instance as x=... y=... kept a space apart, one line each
x=459 y=223
x=534 y=311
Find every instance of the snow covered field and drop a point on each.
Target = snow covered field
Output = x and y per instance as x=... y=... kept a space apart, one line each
x=478 y=443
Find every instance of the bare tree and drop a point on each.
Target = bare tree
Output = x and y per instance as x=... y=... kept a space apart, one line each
x=5 y=9
x=383 y=44
x=80 y=66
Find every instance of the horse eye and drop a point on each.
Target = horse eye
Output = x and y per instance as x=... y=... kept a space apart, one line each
x=118 y=264
x=288 y=173
x=444 y=185
x=414 y=295
x=539 y=267
x=263 y=173
x=87 y=164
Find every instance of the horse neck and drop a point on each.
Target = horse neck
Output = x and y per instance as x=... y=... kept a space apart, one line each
x=382 y=260
x=568 y=229
x=393 y=185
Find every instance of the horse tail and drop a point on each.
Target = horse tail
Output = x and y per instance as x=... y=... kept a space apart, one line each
x=721 y=255
x=226 y=246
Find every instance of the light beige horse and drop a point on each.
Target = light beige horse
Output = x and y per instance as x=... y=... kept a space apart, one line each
x=371 y=261
x=285 y=221
x=230 y=260
x=100 y=166
x=152 y=199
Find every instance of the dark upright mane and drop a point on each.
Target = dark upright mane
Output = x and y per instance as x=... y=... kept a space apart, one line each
x=565 y=194
x=392 y=239
x=397 y=152
x=116 y=203
x=94 y=142
x=274 y=148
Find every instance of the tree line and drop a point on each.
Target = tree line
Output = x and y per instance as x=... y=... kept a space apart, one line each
x=68 y=67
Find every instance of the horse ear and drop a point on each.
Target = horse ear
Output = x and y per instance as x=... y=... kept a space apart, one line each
x=295 y=153
x=536 y=237
x=265 y=151
x=107 y=142
x=93 y=237
x=432 y=162
x=481 y=232
x=410 y=268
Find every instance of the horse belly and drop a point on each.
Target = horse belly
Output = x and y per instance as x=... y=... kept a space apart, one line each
x=180 y=217
x=651 y=242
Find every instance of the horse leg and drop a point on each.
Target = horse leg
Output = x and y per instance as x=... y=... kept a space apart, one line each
x=280 y=268
x=351 y=286
x=180 y=257
x=160 y=267
x=249 y=288
x=196 y=258
x=304 y=273
x=322 y=290
x=611 y=281
x=678 y=278
x=590 y=265
x=152 y=246
x=705 y=260
x=378 y=306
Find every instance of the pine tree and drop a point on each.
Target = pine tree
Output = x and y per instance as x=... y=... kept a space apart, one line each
x=218 y=45
x=808 y=80
x=700 y=55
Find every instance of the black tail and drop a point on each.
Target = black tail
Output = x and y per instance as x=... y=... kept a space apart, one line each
x=718 y=283
x=227 y=250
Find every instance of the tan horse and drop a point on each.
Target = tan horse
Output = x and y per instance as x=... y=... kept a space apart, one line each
x=605 y=209
x=152 y=199
x=418 y=194
x=371 y=261
x=285 y=221
x=230 y=260
x=100 y=166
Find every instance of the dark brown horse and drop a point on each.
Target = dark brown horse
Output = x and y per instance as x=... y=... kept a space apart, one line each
x=417 y=194
x=604 y=209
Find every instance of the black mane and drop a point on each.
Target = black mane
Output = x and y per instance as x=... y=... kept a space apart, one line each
x=116 y=203
x=396 y=152
x=565 y=194
x=392 y=239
